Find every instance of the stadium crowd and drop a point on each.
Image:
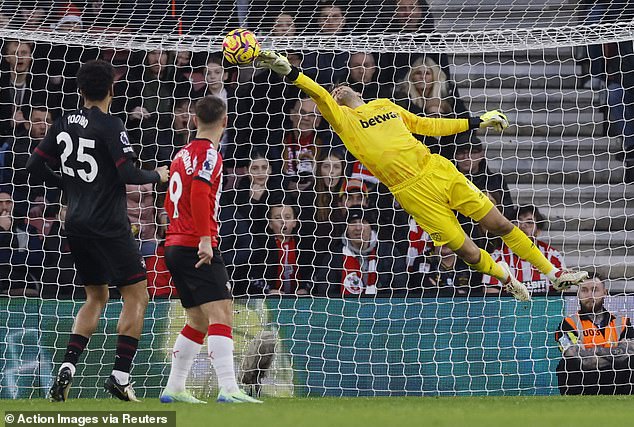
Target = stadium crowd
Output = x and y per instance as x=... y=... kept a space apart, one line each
x=299 y=214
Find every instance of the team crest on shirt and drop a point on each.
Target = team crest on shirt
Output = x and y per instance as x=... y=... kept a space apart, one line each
x=436 y=237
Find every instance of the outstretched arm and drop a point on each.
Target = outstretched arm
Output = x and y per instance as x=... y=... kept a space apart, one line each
x=442 y=127
x=328 y=107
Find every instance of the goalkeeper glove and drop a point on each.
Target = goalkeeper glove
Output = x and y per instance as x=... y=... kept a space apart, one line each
x=274 y=62
x=494 y=119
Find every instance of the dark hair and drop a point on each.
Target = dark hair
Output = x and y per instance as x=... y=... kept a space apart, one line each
x=38 y=107
x=282 y=202
x=326 y=197
x=210 y=109
x=183 y=102
x=532 y=210
x=95 y=79
x=214 y=58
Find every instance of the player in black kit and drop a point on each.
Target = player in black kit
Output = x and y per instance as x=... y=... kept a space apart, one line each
x=92 y=151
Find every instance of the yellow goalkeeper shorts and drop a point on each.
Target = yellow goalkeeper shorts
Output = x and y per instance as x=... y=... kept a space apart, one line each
x=433 y=195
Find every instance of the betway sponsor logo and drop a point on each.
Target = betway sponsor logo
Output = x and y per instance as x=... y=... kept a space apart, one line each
x=379 y=118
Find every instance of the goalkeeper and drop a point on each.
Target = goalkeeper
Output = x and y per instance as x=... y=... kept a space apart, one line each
x=427 y=186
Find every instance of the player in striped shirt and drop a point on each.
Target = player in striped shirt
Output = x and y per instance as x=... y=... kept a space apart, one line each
x=531 y=222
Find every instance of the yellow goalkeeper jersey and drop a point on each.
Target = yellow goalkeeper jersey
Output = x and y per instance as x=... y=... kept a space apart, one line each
x=379 y=133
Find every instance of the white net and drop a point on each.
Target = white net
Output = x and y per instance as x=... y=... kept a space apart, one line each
x=425 y=323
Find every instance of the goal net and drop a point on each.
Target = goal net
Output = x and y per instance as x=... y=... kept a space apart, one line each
x=330 y=276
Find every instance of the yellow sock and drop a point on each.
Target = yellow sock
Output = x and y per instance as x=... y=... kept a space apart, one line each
x=486 y=265
x=523 y=247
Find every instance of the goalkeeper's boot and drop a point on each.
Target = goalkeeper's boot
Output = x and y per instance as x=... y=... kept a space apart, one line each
x=567 y=278
x=181 y=396
x=514 y=286
x=61 y=387
x=122 y=392
x=236 y=397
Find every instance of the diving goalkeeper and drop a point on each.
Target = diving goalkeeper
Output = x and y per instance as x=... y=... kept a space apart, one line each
x=427 y=186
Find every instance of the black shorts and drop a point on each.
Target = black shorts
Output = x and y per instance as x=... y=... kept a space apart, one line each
x=116 y=261
x=197 y=286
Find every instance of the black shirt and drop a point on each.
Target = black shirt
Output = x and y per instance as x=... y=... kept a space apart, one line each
x=91 y=145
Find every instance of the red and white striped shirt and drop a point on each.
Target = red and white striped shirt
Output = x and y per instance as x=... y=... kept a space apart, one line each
x=526 y=273
x=420 y=244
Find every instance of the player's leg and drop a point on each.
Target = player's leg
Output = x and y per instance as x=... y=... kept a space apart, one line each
x=220 y=342
x=470 y=201
x=525 y=248
x=84 y=326
x=129 y=327
x=128 y=274
x=480 y=260
x=186 y=347
x=431 y=202
x=94 y=275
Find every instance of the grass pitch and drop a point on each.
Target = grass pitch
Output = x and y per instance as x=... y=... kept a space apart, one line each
x=576 y=411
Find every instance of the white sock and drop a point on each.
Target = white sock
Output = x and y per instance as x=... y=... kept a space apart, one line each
x=69 y=366
x=552 y=275
x=221 y=354
x=122 y=378
x=183 y=355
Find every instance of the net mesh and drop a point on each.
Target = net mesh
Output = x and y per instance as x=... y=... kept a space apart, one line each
x=561 y=71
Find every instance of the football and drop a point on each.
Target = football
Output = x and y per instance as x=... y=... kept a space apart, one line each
x=240 y=47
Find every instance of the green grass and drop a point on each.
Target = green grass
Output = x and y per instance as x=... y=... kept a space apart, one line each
x=577 y=411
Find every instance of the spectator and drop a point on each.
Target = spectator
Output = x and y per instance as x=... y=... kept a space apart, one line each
x=284 y=26
x=359 y=264
x=320 y=215
x=411 y=16
x=21 y=253
x=620 y=89
x=362 y=76
x=301 y=139
x=331 y=19
x=216 y=79
x=425 y=90
x=236 y=247
x=420 y=251
x=22 y=87
x=150 y=104
x=38 y=120
x=450 y=275
x=284 y=265
x=59 y=278
x=183 y=74
x=69 y=19
x=171 y=140
x=159 y=279
x=597 y=347
x=612 y=67
x=262 y=107
x=531 y=222
x=354 y=194
x=143 y=216
x=30 y=16
x=471 y=161
x=253 y=196
x=328 y=66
